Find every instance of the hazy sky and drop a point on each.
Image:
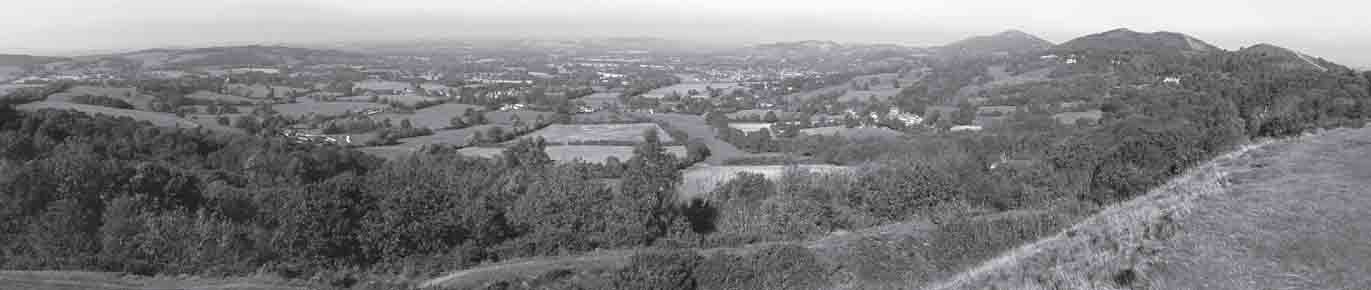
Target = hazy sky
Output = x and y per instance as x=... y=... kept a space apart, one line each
x=1338 y=30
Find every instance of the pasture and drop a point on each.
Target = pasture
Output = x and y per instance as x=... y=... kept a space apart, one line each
x=571 y=134
x=156 y=118
x=698 y=181
x=1069 y=118
x=525 y=116
x=324 y=108
x=217 y=97
x=760 y=114
x=259 y=91
x=411 y=145
x=852 y=133
x=569 y=153
x=435 y=117
x=750 y=127
x=684 y=89
x=403 y=99
x=129 y=95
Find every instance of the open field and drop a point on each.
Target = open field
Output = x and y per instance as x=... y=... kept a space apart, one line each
x=699 y=181
x=1284 y=215
x=760 y=114
x=684 y=89
x=156 y=118
x=435 y=117
x=695 y=126
x=750 y=127
x=852 y=133
x=129 y=95
x=324 y=108
x=381 y=85
x=411 y=145
x=64 y=280
x=525 y=116
x=601 y=99
x=259 y=91
x=570 y=134
x=568 y=153
x=213 y=96
x=6 y=88
x=1069 y=118
x=404 y=99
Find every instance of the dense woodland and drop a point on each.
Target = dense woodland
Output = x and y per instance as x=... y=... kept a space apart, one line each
x=80 y=192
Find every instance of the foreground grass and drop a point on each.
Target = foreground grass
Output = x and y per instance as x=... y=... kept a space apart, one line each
x=1286 y=215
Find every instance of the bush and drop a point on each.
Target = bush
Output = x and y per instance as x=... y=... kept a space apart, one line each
x=658 y=269
x=773 y=267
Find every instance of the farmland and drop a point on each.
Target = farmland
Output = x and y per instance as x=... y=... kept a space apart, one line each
x=1070 y=118
x=701 y=180
x=447 y=137
x=217 y=97
x=158 y=119
x=129 y=95
x=684 y=89
x=750 y=127
x=525 y=116
x=852 y=133
x=760 y=114
x=571 y=134
x=403 y=99
x=324 y=108
x=260 y=91
x=435 y=117
x=568 y=153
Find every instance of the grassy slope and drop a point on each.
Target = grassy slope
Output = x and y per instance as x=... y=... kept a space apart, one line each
x=63 y=280
x=1287 y=215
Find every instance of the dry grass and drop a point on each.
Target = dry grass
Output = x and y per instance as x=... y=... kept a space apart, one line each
x=1284 y=215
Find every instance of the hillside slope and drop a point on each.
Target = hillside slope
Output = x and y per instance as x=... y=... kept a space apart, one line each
x=1286 y=215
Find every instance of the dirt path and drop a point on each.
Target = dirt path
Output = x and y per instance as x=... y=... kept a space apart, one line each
x=1288 y=215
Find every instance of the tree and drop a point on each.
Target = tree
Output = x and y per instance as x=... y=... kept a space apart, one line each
x=770 y=117
x=456 y=123
x=645 y=204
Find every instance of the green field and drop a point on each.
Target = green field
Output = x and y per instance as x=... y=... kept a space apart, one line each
x=852 y=133
x=435 y=117
x=568 y=153
x=525 y=116
x=699 y=181
x=156 y=118
x=225 y=98
x=324 y=108
x=411 y=145
x=570 y=134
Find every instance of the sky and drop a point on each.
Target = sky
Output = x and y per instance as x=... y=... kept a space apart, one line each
x=1339 y=30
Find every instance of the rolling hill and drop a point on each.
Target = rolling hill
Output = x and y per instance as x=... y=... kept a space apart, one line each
x=1007 y=42
x=1283 y=58
x=1124 y=40
x=237 y=56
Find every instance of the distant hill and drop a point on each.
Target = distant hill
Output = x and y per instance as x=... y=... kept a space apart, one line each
x=22 y=60
x=1124 y=40
x=1008 y=42
x=1284 y=58
x=237 y=55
